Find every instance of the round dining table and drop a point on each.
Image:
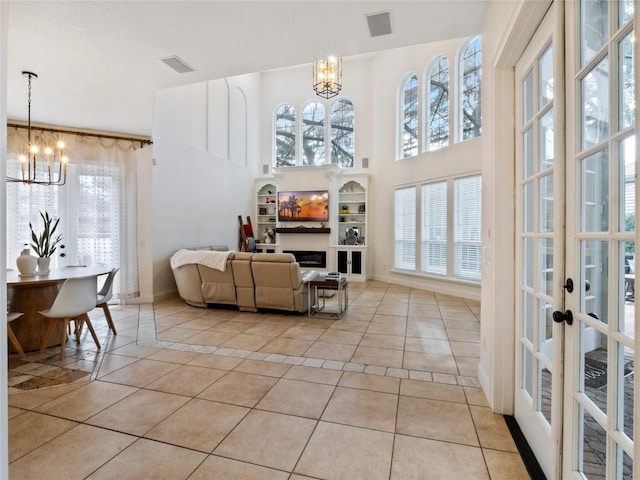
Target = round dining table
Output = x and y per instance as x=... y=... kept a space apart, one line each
x=33 y=294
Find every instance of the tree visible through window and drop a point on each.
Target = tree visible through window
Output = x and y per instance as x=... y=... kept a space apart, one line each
x=313 y=134
x=470 y=90
x=342 y=137
x=409 y=123
x=438 y=105
x=285 y=126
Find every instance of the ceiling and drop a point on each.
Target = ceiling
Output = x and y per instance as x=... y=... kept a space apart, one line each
x=99 y=64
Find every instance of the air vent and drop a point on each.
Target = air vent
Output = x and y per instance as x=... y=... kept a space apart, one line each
x=379 y=24
x=177 y=64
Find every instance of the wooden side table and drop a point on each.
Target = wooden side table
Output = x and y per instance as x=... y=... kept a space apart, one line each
x=317 y=305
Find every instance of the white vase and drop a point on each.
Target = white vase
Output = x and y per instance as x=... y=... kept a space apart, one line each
x=43 y=265
x=26 y=263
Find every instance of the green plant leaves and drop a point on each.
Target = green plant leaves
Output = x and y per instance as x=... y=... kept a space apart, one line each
x=46 y=243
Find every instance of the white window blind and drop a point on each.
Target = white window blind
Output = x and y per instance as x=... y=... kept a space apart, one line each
x=434 y=228
x=405 y=228
x=468 y=227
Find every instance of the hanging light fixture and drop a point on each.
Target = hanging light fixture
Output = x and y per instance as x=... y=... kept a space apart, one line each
x=327 y=77
x=35 y=169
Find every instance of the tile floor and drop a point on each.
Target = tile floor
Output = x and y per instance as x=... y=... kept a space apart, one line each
x=388 y=392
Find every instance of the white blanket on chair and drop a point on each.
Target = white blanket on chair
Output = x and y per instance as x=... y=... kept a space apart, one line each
x=208 y=258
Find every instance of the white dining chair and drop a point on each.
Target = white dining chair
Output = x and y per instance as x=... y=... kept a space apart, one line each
x=11 y=316
x=76 y=298
x=104 y=295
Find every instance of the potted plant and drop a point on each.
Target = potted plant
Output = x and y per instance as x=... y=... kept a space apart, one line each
x=45 y=243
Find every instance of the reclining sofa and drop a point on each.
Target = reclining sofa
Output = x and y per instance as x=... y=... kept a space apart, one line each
x=250 y=281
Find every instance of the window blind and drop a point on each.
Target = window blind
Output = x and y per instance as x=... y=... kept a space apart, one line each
x=434 y=228
x=468 y=227
x=405 y=228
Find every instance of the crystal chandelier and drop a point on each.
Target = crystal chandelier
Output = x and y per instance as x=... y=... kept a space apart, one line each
x=327 y=77
x=48 y=167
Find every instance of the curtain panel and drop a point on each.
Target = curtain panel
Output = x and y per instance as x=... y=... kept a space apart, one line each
x=97 y=207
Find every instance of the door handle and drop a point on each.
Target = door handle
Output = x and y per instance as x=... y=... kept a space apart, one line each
x=560 y=317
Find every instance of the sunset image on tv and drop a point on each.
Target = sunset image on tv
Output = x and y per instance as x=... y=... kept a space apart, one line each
x=310 y=206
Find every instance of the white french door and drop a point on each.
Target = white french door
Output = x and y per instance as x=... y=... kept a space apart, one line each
x=575 y=384
x=539 y=246
x=600 y=403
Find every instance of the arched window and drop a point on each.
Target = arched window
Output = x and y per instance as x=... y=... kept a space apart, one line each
x=470 y=90
x=285 y=133
x=313 y=134
x=409 y=118
x=342 y=135
x=437 y=104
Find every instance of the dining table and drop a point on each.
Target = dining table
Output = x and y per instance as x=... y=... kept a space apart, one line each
x=32 y=294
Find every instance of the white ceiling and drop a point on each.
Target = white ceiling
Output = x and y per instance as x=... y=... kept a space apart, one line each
x=99 y=64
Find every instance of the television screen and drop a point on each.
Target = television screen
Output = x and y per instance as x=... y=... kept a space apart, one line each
x=310 y=206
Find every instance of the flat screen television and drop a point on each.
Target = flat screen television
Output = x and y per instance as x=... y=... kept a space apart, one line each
x=303 y=206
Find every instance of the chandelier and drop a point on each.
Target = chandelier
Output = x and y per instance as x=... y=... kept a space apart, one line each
x=48 y=167
x=327 y=77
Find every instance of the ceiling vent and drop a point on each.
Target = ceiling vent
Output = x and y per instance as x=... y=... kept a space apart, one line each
x=177 y=64
x=379 y=24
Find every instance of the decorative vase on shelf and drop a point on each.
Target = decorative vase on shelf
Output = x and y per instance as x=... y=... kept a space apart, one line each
x=26 y=263
x=43 y=265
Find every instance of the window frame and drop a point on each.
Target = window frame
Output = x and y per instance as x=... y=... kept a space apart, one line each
x=427 y=104
x=419 y=243
x=402 y=110
x=275 y=134
x=460 y=97
x=299 y=127
x=352 y=133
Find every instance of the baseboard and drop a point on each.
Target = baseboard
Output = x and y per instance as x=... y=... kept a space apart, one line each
x=444 y=286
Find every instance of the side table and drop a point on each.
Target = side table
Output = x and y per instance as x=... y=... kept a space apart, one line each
x=317 y=302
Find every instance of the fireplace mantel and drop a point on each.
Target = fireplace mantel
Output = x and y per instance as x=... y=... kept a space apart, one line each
x=303 y=230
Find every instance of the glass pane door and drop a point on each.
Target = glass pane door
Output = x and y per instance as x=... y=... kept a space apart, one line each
x=601 y=344
x=539 y=250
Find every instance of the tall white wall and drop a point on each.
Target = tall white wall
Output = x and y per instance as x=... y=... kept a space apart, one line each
x=200 y=185
x=371 y=82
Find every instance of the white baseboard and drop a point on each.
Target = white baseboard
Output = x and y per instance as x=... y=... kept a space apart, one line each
x=444 y=287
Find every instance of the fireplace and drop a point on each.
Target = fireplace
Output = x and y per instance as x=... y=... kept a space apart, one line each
x=309 y=258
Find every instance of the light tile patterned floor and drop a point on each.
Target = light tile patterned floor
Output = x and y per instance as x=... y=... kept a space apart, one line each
x=388 y=392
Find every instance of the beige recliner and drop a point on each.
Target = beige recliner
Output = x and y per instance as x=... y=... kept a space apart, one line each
x=198 y=284
x=243 y=278
x=279 y=283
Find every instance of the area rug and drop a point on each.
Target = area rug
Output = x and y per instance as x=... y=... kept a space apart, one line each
x=595 y=372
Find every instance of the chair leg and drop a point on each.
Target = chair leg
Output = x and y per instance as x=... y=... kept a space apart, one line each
x=107 y=315
x=15 y=342
x=78 y=324
x=47 y=335
x=93 y=332
x=63 y=338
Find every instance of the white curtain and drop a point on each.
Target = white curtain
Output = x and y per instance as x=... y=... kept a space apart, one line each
x=97 y=207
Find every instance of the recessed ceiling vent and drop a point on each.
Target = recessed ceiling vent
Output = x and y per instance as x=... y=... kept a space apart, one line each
x=379 y=24
x=177 y=64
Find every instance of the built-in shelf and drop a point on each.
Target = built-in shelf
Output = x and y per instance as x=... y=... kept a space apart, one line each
x=303 y=230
